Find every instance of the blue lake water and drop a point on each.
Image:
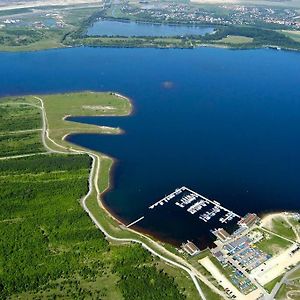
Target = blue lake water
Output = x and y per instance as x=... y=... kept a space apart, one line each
x=117 y=28
x=224 y=123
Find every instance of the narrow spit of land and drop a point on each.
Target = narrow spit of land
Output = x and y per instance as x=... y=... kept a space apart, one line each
x=54 y=108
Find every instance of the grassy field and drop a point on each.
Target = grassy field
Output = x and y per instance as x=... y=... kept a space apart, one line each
x=272 y=244
x=137 y=42
x=295 y=35
x=59 y=106
x=59 y=252
x=295 y=275
x=281 y=227
x=236 y=39
x=29 y=40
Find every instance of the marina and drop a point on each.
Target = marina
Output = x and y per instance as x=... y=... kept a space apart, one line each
x=190 y=204
x=193 y=203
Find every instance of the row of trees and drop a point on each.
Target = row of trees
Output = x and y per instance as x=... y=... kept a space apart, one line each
x=261 y=37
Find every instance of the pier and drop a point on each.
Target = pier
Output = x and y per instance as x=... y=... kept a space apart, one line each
x=136 y=221
x=194 y=203
x=215 y=203
x=167 y=198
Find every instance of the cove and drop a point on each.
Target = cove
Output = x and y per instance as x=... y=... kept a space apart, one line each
x=224 y=123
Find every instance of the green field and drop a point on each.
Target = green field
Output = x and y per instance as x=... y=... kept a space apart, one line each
x=236 y=39
x=295 y=275
x=281 y=227
x=30 y=40
x=272 y=244
x=295 y=35
x=49 y=246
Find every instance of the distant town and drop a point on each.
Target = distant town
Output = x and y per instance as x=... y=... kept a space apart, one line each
x=227 y=14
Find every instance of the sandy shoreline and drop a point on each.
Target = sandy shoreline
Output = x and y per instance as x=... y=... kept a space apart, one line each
x=266 y=219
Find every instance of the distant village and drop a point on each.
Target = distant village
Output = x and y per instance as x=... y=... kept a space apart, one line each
x=219 y=15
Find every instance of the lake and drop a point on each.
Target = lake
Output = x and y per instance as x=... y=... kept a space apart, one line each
x=128 y=29
x=224 y=123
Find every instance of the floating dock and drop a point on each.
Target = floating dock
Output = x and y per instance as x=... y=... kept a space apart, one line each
x=194 y=203
x=136 y=221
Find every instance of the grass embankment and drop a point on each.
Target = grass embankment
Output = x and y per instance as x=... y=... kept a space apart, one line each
x=270 y=285
x=59 y=252
x=285 y=225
